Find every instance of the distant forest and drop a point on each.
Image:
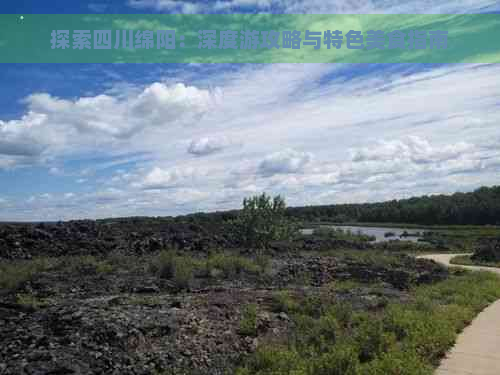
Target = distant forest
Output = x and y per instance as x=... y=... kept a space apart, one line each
x=481 y=206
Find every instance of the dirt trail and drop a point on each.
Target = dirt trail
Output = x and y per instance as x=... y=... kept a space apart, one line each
x=476 y=351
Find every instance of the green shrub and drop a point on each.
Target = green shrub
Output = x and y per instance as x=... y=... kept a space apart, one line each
x=371 y=338
x=248 y=321
x=397 y=362
x=342 y=234
x=339 y=360
x=275 y=361
x=178 y=269
x=231 y=265
x=402 y=339
x=84 y=264
x=262 y=220
x=283 y=301
x=429 y=334
x=262 y=260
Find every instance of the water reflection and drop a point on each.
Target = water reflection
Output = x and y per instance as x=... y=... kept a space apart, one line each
x=380 y=234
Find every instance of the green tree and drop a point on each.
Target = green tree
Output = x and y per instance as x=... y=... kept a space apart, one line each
x=262 y=220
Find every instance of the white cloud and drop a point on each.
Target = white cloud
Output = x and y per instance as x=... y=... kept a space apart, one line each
x=208 y=145
x=410 y=132
x=412 y=148
x=162 y=179
x=56 y=126
x=286 y=161
x=24 y=140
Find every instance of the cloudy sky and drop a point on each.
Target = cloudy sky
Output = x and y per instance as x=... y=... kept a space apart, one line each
x=104 y=140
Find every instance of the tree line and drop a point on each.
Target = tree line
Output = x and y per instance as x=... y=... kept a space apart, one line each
x=479 y=207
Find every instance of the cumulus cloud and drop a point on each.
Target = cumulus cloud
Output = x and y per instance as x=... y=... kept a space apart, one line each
x=413 y=148
x=159 y=178
x=208 y=145
x=413 y=158
x=412 y=130
x=157 y=105
x=24 y=141
x=286 y=161
x=53 y=125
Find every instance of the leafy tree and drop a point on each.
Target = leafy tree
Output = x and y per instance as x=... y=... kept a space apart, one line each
x=262 y=220
x=479 y=207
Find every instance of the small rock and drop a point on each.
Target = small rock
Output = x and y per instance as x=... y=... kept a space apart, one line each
x=283 y=316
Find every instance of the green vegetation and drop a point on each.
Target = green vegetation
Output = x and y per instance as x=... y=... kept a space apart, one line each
x=181 y=269
x=31 y=301
x=399 y=339
x=261 y=221
x=248 y=322
x=342 y=234
x=488 y=251
x=84 y=264
x=283 y=301
x=15 y=273
x=487 y=254
x=151 y=301
x=233 y=265
x=478 y=208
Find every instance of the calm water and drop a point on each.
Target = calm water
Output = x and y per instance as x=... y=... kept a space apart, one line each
x=378 y=233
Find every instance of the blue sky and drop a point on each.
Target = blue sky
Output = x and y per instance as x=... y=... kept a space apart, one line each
x=103 y=140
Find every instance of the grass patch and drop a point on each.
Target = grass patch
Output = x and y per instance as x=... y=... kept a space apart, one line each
x=31 y=301
x=400 y=339
x=13 y=274
x=84 y=264
x=181 y=269
x=283 y=301
x=466 y=260
x=150 y=301
x=248 y=321
x=342 y=234
x=232 y=265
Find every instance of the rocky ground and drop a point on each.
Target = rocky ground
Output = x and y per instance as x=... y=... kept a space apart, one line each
x=135 y=236
x=126 y=320
x=109 y=313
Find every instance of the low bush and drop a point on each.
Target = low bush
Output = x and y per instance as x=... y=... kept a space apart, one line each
x=248 y=321
x=342 y=234
x=84 y=264
x=284 y=302
x=232 y=265
x=179 y=269
x=399 y=339
x=339 y=360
